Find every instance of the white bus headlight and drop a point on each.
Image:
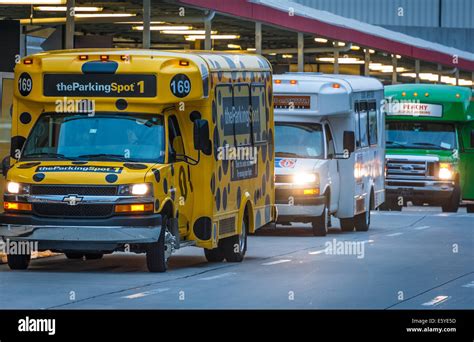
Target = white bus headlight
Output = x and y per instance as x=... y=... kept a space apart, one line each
x=140 y=189
x=13 y=187
x=303 y=178
x=445 y=171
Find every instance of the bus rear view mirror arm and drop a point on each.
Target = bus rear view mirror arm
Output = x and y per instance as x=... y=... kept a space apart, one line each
x=349 y=142
x=201 y=136
x=5 y=165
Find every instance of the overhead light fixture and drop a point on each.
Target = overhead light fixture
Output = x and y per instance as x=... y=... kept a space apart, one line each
x=272 y=54
x=355 y=47
x=64 y=8
x=384 y=67
x=251 y=49
x=214 y=36
x=164 y=28
x=339 y=43
x=320 y=40
x=32 y=2
x=139 y=22
x=234 y=46
x=342 y=60
x=287 y=56
x=199 y=32
x=104 y=15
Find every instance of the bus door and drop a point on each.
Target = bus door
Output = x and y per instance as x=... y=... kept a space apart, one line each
x=6 y=103
x=333 y=167
x=467 y=160
x=181 y=187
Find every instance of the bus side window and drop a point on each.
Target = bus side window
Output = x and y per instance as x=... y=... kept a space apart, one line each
x=259 y=108
x=373 y=130
x=329 y=142
x=363 y=124
x=176 y=146
x=242 y=127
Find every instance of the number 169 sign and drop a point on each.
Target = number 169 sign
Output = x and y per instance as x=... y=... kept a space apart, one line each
x=180 y=85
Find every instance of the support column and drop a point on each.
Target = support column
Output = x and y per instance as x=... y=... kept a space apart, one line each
x=300 y=52
x=440 y=68
x=146 y=24
x=69 y=34
x=258 y=38
x=208 y=40
x=417 y=71
x=457 y=76
x=394 y=69
x=336 y=62
x=366 y=62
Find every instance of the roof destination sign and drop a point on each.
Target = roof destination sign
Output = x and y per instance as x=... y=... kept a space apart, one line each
x=415 y=109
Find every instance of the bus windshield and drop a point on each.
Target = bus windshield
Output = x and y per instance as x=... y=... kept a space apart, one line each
x=299 y=140
x=106 y=137
x=420 y=135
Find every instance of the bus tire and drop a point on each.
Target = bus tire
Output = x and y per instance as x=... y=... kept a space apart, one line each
x=470 y=208
x=362 y=221
x=452 y=205
x=155 y=254
x=74 y=255
x=320 y=223
x=347 y=224
x=214 y=255
x=18 y=261
x=93 y=256
x=234 y=247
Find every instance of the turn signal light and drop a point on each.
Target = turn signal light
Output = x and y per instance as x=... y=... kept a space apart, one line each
x=16 y=206
x=311 y=192
x=134 y=208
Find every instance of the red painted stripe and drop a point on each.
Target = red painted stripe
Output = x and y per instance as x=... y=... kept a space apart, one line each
x=268 y=15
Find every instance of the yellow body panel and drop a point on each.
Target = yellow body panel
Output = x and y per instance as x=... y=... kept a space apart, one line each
x=217 y=189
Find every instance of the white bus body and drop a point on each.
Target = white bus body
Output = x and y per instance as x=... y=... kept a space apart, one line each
x=329 y=149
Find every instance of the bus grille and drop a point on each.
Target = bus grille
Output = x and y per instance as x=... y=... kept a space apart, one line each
x=409 y=169
x=80 y=210
x=82 y=190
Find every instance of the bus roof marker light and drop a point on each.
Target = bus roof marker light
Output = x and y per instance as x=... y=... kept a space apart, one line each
x=125 y=58
x=28 y=61
x=184 y=63
x=404 y=94
x=458 y=95
x=104 y=57
x=293 y=82
x=415 y=94
x=83 y=57
x=277 y=81
x=336 y=85
x=427 y=94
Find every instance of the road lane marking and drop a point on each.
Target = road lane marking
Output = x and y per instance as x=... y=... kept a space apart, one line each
x=422 y=227
x=276 y=262
x=469 y=285
x=144 y=294
x=436 y=301
x=317 y=252
x=395 y=234
x=218 y=276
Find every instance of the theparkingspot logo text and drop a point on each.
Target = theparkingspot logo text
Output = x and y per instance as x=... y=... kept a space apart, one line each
x=28 y=324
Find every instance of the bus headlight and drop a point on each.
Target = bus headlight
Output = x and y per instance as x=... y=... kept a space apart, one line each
x=303 y=178
x=139 y=189
x=17 y=188
x=445 y=171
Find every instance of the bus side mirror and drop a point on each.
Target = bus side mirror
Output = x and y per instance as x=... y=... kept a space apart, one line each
x=201 y=136
x=5 y=165
x=349 y=141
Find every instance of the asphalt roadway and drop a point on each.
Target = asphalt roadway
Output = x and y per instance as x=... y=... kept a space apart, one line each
x=420 y=258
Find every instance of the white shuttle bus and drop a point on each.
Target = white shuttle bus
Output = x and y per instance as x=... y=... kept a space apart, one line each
x=329 y=149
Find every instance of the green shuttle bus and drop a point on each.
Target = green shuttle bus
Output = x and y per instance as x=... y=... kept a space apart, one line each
x=429 y=146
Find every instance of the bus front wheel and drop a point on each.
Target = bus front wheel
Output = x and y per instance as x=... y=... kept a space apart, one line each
x=452 y=205
x=362 y=221
x=320 y=223
x=157 y=254
x=470 y=208
x=18 y=261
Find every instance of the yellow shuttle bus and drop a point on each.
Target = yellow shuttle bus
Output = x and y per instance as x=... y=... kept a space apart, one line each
x=141 y=151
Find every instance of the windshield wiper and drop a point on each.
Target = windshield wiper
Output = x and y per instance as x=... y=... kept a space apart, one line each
x=430 y=144
x=395 y=143
x=105 y=156
x=47 y=154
